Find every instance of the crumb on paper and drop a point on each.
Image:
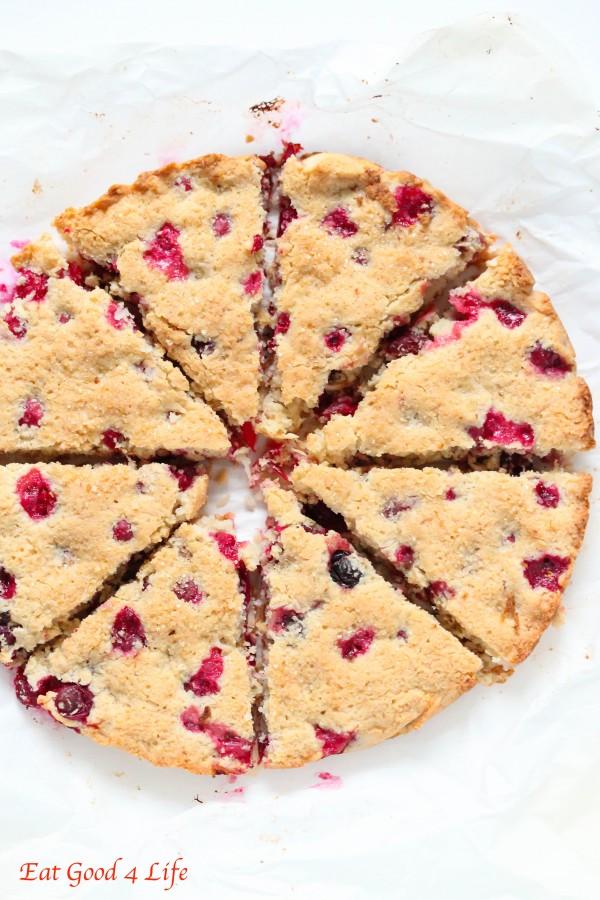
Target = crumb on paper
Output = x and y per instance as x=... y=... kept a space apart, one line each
x=266 y=106
x=250 y=502
x=249 y=138
x=222 y=476
x=222 y=501
x=37 y=187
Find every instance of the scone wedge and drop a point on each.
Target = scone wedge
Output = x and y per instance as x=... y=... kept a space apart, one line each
x=160 y=669
x=360 y=249
x=79 y=378
x=501 y=374
x=492 y=551
x=186 y=241
x=69 y=530
x=349 y=661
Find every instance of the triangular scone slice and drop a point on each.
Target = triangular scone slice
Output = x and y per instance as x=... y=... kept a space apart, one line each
x=159 y=670
x=364 y=250
x=350 y=662
x=187 y=239
x=79 y=378
x=492 y=551
x=67 y=530
x=501 y=376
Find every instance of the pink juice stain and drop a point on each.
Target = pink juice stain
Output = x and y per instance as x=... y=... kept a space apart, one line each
x=328 y=782
x=233 y=796
x=284 y=121
x=8 y=279
x=18 y=245
x=291 y=119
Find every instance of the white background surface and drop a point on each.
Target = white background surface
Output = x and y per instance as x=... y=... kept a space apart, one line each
x=498 y=797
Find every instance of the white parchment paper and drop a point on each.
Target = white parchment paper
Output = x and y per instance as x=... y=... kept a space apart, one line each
x=498 y=796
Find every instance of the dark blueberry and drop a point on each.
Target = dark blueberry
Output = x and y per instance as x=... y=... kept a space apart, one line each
x=342 y=569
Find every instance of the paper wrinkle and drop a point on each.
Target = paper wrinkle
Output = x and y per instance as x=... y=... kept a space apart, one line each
x=495 y=797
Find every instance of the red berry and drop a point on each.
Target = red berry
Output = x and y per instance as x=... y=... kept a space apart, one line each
x=287 y=214
x=338 y=222
x=122 y=531
x=188 y=591
x=258 y=243
x=31 y=286
x=253 y=283
x=333 y=741
x=357 y=643
x=16 y=326
x=497 y=429
x=547 y=361
x=184 y=473
x=336 y=339
x=545 y=570
x=393 y=508
x=248 y=435
x=282 y=618
x=405 y=341
x=8 y=584
x=405 y=556
x=206 y=679
x=450 y=494
x=165 y=254
x=547 y=494
x=283 y=323
x=290 y=149
x=114 y=440
x=221 y=224
x=342 y=405
x=127 y=633
x=33 y=413
x=471 y=302
x=227 y=544
x=119 y=316
x=36 y=496
x=411 y=202
x=226 y=742
x=441 y=589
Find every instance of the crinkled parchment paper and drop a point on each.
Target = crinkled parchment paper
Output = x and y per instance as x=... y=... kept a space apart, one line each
x=498 y=796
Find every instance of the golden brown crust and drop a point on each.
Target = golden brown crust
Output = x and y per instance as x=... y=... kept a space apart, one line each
x=408 y=669
x=141 y=691
x=436 y=403
x=472 y=533
x=53 y=557
x=213 y=166
x=200 y=308
x=348 y=267
x=354 y=262
x=78 y=355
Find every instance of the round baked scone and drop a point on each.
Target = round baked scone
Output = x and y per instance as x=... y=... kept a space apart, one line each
x=349 y=661
x=500 y=374
x=68 y=530
x=360 y=249
x=160 y=669
x=187 y=241
x=78 y=377
x=492 y=551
